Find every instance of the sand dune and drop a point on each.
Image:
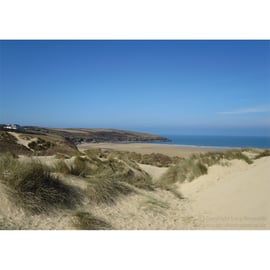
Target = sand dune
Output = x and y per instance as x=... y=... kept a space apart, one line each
x=235 y=196
x=228 y=197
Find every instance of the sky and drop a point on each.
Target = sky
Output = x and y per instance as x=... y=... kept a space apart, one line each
x=163 y=87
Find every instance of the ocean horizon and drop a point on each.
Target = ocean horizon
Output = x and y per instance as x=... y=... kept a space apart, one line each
x=218 y=141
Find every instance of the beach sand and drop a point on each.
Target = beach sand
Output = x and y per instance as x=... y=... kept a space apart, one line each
x=148 y=148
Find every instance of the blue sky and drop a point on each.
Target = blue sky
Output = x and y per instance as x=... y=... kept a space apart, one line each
x=164 y=87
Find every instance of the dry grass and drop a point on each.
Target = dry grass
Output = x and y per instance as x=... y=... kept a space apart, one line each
x=8 y=144
x=106 y=191
x=154 y=205
x=118 y=170
x=185 y=170
x=154 y=159
x=87 y=221
x=213 y=158
x=265 y=153
x=197 y=165
x=33 y=188
x=61 y=156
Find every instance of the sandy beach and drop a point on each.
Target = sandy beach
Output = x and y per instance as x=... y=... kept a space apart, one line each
x=148 y=148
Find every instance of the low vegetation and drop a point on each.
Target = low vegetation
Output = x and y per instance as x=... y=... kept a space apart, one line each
x=118 y=170
x=7 y=224
x=106 y=191
x=88 y=221
x=197 y=165
x=265 y=153
x=7 y=138
x=155 y=159
x=154 y=205
x=213 y=158
x=103 y=177
x=32 y=187
x=186 y=170
x=8 y=144
x=40 y=145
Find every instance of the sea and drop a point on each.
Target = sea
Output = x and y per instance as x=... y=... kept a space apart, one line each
x=219 y=141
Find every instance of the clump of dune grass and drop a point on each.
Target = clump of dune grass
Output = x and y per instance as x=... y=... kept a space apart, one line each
x=61 y=167
x=213 y=158
x=80 y=167
x=186 y=170
x=197 y=165
x=265 y=153
x=61 y=156
x=32 y=187
x=171 y=188
x=8 y=224
x=88 y=221
x=123 y=170
x=138 y=180
x=128 y=171
x=154 y=205
x=106 y=191
x=154 y=159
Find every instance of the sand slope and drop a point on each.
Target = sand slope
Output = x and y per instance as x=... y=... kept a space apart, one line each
x=235 y=197
x=228 y=197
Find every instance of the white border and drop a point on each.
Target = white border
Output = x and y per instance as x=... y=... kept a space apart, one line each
x=135 y=250
x=136 y=19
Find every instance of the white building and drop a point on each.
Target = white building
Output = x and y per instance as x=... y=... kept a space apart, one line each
x=12 y=127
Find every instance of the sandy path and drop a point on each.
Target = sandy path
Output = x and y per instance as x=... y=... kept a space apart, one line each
x=153 y=171
x=21 y=140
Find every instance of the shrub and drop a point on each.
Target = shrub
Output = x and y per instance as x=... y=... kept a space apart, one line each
x=7 y=138
x=40 y=145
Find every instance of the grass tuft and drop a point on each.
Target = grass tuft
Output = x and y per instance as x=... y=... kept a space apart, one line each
x=80 y=167
x=106 y=190
x=87 y=221
x=32 y=187
x=265 y=153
